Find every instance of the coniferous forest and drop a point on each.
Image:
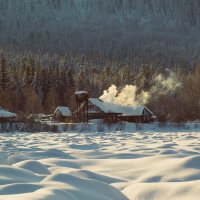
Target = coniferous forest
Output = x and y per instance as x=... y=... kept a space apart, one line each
x=51 y=48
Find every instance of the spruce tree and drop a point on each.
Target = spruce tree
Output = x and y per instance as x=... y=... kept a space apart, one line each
x=4 y=77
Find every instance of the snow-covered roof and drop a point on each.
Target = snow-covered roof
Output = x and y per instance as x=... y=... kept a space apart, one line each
x=37 y=116
x=154 y=117
x=120 y=109
x=81 y=92
x=6 y=114
x=65 y=111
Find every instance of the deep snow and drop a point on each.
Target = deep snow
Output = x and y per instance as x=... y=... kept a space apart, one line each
x=144 y=165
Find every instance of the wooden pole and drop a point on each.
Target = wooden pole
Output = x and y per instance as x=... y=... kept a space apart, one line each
x=87 y=111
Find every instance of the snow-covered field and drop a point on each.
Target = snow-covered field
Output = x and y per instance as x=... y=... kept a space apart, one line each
x=144 y=165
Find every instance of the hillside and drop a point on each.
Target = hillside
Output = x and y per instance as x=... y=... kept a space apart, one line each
x=51 y=48
x=160 y=29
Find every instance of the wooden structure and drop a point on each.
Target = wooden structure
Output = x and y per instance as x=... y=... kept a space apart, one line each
x=109 y=112
x=38 y=117
x=63 y=114
x=81 y=112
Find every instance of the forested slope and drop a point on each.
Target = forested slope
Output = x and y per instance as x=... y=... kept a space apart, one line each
x=164 y=30
x=51 y=48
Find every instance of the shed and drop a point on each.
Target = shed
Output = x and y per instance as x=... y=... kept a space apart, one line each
x=63 y=114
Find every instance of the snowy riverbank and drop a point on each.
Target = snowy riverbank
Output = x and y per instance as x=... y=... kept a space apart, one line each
x=95 y=126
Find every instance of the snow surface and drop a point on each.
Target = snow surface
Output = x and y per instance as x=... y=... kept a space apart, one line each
x=139 y=165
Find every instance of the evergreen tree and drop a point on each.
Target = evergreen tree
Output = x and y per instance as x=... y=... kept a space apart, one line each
x=4 y=77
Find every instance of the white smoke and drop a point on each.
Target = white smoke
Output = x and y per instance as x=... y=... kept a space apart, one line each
x=166 y=85
x=110 y=94
x=129 y=95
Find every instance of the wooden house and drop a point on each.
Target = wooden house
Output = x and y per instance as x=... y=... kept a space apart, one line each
x=110 y=112
x=63 y=114
x=6 y=116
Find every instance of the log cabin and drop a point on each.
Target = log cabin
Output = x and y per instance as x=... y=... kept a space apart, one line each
x=110 y=112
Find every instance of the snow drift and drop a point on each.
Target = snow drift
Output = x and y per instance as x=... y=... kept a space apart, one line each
x=146 y=165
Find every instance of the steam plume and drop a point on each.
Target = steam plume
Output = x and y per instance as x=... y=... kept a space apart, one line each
x=166 y=85
x=129 y=95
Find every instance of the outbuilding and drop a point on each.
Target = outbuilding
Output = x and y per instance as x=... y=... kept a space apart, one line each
x=63 y=114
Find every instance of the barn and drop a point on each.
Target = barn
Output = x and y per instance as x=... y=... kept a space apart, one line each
x=6 y=116
x=63 y=114
x=110 y=112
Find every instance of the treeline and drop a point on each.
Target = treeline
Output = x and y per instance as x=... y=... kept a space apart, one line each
x=31 y=83
x=167 y=30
